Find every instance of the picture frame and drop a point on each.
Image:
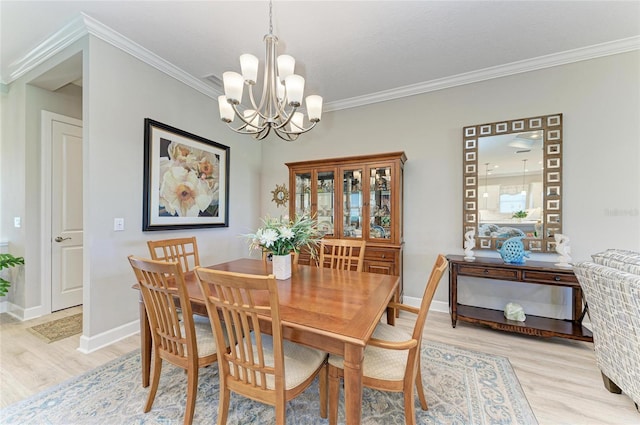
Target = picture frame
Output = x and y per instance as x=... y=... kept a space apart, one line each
x=186 y=180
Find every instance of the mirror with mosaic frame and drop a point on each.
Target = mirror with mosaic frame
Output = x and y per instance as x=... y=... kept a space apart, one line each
x=535 y=146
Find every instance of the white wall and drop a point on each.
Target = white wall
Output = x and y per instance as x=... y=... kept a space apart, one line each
x=119 y=92
x=21 y=174
x=122 y=91
x=600 y=100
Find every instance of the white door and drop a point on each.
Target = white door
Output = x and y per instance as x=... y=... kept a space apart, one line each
x=66 y=214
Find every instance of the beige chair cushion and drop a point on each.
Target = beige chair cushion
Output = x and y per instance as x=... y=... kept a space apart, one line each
x=205 y=339
x=380 y=363
x=300 y=362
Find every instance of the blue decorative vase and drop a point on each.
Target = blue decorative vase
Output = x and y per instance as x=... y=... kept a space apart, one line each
x=512 y=251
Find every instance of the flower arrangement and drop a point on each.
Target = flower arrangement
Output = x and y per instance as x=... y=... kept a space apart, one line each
x=280 y=236
x=189 y=181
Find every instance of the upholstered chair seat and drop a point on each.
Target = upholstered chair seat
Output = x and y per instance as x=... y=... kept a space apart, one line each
x=380 y=363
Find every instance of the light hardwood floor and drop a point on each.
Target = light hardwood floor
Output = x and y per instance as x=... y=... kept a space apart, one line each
x=559 y=377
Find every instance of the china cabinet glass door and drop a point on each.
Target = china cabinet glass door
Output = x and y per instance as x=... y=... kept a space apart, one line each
x=303 y=194
x=325 y=212
x=380 y=203
x=352 y=203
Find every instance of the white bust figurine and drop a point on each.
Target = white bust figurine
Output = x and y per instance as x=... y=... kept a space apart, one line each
x=469 y=244
x=563 y=249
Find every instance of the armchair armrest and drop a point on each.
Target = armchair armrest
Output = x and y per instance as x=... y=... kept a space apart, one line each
x=404 y=307
x=393 y=345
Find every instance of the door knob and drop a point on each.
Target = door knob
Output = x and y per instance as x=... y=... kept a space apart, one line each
x=60 y=239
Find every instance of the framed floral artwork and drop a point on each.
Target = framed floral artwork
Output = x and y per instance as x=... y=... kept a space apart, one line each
x=186 y=180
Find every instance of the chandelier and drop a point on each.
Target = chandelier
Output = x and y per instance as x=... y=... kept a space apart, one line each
x=281 y=96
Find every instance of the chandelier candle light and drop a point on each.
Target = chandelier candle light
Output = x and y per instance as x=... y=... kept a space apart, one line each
x=282 y=92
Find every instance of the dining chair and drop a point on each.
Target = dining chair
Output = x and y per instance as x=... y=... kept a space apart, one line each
x=182 y=250
x=259 y=365
x=176 y=338
x=392 y=355
x=343 y=254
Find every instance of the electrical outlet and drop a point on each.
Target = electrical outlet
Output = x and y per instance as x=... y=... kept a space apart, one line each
x=118 y=224
x=17 y=222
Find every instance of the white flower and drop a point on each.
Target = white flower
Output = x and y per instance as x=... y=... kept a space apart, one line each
x=268 y=237
x=182 y=193
x=286 y=232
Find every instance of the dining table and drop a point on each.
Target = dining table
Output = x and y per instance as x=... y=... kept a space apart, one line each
x=332 y=310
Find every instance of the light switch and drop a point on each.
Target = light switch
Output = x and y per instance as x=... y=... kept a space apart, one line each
x=118 y=224
x=17 y=222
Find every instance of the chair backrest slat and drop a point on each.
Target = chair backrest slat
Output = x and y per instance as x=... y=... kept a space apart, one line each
x=343 y=254
x=160 y=283
x=238 y=301
x=181 y=250
x=437 y=271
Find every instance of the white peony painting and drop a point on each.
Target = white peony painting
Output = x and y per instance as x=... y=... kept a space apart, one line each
x=186 y=180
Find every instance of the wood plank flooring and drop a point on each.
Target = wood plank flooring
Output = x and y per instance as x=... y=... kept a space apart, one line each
x=559 y=377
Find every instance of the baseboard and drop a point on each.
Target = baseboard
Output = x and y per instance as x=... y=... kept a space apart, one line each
x=20 y=313
x=91 y=344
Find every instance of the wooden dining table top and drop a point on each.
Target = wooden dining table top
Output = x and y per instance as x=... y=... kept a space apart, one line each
x=335 y=303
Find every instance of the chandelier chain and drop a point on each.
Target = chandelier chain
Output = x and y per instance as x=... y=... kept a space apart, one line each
x=270 y=17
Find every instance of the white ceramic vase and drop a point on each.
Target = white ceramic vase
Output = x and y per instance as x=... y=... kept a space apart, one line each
x=282 y=266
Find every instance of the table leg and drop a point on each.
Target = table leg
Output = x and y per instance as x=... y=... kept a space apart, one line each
x=145 y=344
x=353 y=357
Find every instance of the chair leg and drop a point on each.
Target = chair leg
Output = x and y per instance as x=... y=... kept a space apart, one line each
x=334 y=392
x=324 y=377
x=409 y=408
x=281 y=409
x=420 y=388
x=223 y=406
x=610 y=385
x=155 y=379
x=192 y=391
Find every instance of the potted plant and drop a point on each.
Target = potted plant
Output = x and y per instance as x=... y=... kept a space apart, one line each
x=281 y=236
x=519 y=215
x=8 y=261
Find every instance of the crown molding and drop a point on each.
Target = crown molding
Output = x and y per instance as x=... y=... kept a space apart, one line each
x=110 y=36
x=541 y=62
x=54 y=44
x=84 y=24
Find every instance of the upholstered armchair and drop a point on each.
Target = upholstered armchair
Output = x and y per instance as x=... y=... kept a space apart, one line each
x=611 y=285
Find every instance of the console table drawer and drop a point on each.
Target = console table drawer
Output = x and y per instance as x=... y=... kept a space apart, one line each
x=494 y=273
x=550 y=277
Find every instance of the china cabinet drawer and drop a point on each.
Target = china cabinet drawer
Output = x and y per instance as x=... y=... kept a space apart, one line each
x=550 y=277
x=377 y=254
x=494 y=273
x=379 y=267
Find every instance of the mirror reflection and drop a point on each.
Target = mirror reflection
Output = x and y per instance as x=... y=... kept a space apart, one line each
x=510 y=190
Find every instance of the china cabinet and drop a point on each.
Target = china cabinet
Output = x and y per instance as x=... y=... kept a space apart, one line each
x=357 y=197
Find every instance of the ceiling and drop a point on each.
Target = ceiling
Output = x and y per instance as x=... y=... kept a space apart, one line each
x=346 y=50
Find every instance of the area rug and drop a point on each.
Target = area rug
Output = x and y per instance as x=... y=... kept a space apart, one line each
x=58 y=329
x=462 y=387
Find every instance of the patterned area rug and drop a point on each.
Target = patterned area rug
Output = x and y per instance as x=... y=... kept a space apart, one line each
x=58 y=329
x=462 y=387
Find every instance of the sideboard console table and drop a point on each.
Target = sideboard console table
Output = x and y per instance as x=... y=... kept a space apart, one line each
x=534 y=272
